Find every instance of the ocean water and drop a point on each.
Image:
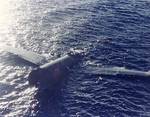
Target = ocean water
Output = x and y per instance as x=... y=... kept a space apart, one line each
x=113 y=33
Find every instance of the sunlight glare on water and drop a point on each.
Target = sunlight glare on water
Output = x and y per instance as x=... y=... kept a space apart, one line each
x=7 y=18
x=4 y=12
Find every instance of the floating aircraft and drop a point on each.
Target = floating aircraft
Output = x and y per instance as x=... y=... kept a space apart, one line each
x=47 y=74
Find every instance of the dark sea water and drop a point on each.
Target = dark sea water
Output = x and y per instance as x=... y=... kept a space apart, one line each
x=112 y=32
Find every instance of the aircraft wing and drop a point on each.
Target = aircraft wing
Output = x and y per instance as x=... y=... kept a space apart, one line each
x=118 y=71
x=29 y=56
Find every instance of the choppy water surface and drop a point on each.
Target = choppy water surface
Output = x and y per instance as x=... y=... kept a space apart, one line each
x=114 y=33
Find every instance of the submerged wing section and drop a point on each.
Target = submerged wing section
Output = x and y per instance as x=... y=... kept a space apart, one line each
x=29 y=56
x=118 y=71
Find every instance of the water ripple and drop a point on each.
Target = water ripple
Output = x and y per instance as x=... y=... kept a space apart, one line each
x=115 y=33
